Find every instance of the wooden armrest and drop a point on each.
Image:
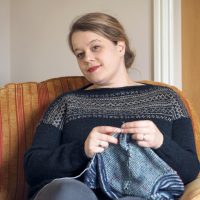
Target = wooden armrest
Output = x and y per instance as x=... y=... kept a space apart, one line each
x=192 y=190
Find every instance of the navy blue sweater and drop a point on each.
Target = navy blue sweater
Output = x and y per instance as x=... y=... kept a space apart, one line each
x=58 y=146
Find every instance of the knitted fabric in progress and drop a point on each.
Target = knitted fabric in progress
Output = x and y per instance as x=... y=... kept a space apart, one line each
x=129 y=170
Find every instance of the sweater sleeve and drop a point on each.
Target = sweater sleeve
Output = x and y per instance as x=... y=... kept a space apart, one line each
x=48 y=158
x=179 y=151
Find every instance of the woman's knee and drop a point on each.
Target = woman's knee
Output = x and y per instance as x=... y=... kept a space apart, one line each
x=65 y=189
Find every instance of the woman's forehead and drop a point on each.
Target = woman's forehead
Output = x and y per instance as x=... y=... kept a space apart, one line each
x=85 y=38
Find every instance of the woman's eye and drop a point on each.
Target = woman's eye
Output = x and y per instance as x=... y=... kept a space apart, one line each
x=80 y=55
x=96 y=47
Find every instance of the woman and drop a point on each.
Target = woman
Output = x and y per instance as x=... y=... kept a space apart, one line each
x=80 y=124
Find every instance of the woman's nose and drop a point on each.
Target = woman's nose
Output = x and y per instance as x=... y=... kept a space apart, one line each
x=89 y=56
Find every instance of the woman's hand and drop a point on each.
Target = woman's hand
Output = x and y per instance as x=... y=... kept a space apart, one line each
x=99 y=139
x=145 y=132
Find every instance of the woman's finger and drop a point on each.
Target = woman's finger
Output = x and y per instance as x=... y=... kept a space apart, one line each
x=103 y=144
x=139 y=130
x=107 y=138
x=107 y=130
x=135 y=124
x=140 y=137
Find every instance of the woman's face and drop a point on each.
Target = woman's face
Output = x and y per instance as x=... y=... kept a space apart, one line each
x=100 y=60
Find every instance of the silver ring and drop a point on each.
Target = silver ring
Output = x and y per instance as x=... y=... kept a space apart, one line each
x=143 y=137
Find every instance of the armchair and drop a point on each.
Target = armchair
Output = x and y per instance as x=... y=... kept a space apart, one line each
x=21 y=106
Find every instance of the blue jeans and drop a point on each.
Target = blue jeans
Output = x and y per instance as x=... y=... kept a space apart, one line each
x=70 y=189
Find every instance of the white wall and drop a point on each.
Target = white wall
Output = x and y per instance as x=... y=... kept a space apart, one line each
x=4 y=41
x=39 y=31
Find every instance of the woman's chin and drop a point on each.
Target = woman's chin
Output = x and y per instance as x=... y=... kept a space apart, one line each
x=95 y=79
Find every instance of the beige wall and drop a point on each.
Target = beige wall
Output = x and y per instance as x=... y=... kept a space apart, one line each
x=4 y=41
x=191 y=51
x=38 y=35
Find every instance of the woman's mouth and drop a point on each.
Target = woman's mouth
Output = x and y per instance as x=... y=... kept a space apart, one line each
x=93 y=68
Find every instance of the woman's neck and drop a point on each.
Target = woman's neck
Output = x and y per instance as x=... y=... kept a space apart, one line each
x=119 y=83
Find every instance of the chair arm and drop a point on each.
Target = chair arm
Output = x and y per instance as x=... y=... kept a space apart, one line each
x=192 y=190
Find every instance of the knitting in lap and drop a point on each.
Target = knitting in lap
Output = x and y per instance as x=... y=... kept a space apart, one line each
x=129 y=170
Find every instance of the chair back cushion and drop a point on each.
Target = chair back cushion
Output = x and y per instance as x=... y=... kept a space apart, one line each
x=21 y=107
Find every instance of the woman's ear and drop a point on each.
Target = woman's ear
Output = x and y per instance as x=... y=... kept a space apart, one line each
x=121 y=46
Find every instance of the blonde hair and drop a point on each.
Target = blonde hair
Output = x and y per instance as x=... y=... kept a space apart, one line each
x=106 y=26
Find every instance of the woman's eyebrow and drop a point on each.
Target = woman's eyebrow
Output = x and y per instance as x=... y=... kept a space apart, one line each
x=89 y=43
x=92 y=41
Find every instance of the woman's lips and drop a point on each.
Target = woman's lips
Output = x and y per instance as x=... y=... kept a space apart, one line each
x=93 y=68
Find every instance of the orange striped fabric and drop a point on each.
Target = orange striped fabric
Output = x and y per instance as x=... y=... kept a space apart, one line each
x=21 y=107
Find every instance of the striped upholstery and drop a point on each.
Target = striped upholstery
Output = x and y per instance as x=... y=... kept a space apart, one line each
x=21 y=106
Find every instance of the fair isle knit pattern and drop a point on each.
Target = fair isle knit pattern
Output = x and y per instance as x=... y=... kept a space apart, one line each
x=153 y=102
